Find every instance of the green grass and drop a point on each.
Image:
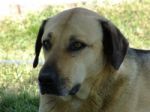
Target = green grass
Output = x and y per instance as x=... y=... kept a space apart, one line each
x=133 y=20
x=18 y=90
x=15 y=102
x=18 y=83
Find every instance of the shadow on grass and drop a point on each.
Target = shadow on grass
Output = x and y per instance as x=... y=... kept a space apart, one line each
x=22 y=102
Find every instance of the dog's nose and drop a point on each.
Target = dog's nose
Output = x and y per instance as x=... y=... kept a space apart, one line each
x=48 y=75
x=74 y=90
x=49 y=81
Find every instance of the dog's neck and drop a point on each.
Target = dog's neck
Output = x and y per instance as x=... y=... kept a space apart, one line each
x=106 y=87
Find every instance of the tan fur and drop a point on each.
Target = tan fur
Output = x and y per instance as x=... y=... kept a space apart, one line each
x=103 y=89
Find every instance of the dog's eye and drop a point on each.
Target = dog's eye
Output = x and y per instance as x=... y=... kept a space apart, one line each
x=46 y=44
x=76 y=46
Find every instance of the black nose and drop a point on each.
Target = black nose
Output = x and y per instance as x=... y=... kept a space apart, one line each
x=49 y=81
x=48 y=75
x=74 y=90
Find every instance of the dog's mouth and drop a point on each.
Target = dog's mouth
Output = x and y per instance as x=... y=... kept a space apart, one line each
x=58 y=90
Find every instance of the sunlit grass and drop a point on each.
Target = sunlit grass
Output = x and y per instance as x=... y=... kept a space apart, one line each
x=18 y=90
x=133 y=20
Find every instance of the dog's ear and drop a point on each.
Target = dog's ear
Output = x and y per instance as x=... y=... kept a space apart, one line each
x=114 y=43
x=38 y=43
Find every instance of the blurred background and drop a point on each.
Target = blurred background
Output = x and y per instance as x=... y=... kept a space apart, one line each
x=19 y=24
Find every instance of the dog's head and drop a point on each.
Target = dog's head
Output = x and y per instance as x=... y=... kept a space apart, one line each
x=77 y=45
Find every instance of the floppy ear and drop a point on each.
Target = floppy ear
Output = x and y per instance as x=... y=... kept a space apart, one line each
x=115 y=44
x=38 y=44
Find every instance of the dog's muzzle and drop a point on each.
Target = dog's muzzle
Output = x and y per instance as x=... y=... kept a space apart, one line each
x=51 y=83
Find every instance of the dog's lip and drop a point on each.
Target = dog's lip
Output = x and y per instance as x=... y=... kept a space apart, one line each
x=45 y=88
x=75 y=89
x=61 y=93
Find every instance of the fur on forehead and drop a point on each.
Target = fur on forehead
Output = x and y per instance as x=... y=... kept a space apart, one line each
x=83 y=20
x=66 y=15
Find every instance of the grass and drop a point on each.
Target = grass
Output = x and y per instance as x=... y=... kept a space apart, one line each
x=18 y=83
x=18 y=103
x=132 y=20
x=18 y=90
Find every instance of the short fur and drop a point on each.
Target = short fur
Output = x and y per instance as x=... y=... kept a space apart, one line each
x=113 y=77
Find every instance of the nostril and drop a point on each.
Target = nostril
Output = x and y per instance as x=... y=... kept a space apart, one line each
x=75 y=89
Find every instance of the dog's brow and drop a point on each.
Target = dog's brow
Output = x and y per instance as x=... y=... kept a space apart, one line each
x=73 y=38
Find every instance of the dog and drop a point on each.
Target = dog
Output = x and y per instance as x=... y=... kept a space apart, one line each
x=89 y=66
